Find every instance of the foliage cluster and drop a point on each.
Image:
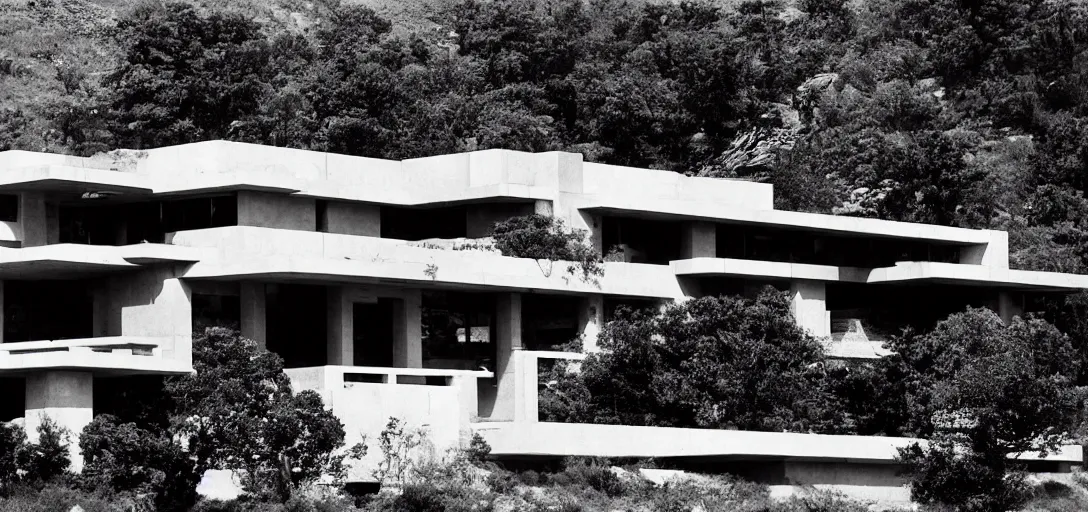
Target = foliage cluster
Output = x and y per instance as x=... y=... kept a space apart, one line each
x=979 y=390
x=543 y=237
x=33 y=465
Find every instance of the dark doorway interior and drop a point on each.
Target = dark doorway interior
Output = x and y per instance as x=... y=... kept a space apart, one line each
x=297 y=324
x=373 y=333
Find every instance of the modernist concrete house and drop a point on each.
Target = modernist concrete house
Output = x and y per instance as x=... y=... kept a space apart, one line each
x=345 y=267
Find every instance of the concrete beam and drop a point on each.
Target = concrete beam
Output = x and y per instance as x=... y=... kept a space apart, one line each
x=66 y=398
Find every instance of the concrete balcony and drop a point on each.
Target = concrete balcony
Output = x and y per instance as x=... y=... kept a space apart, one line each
x=113 y=356
x=441 y=403
x=71 y=261
x=278 y=254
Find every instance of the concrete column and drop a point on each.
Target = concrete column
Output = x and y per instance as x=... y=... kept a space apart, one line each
x=340 y=343
x=591 y=321
x=1010 y=305
x=254 y=313
x=408 y=331
x=33 y=218
x=592 y=224
x=543 y=207
x=508 y=340
x=2 y=315
x=809 y=307
x=700 y=240
x=66 y=398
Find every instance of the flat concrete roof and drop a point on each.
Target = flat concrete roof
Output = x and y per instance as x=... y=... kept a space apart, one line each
x=812 y=222
x=528 y=439
x=68 y=261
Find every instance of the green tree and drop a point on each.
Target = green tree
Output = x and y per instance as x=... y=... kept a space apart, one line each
x=238 y=412
x=714 y=362
x=983 y=392
x=186 y=76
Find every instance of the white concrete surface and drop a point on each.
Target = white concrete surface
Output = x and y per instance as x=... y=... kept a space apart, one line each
x=611 y=441
x=442 y=412
x=66 y=398
x=115 y=355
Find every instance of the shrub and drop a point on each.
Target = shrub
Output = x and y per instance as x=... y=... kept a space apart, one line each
x=542 y=237
x=47 y=460
x=122 y=457
x=12 y=439
x=478 y=449
x=963 y=479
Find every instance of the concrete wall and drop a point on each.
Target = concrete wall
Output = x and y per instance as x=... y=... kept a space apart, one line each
x=809 y=307
x=66 y=398
x=154 y=303
x=268 y=210
x=353 y=218
x=442 y=413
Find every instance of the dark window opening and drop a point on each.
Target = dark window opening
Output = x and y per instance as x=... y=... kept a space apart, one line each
x=795 y=246
x=322 y=216
x=131 y=223
x=458 y=330
x=876 y=312
x=14 y=403
x=372 y=333
x=216 y=311
x=47 y=310
x=548 y=321
x=423 y=223
x=642 y=241
x=9 y=208
x=297 y=320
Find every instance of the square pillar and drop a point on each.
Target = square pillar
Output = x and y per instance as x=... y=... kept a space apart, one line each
x=809 y=307
x=340 y=345
x=67 y=398
x=507 y=341
x=700 y=240
x=1009 y=306
x=543 y=207
x=253 y=315
x=408 y=331
x=33 y=218
x=591 y=321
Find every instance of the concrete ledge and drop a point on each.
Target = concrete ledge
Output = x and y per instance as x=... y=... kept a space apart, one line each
x=265 y=253
x=904 y=272
x=514 y=439
x=68 y=261
x=115 y=355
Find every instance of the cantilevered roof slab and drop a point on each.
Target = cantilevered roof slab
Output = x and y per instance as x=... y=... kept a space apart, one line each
x=813 y=222
x=69 y=261
x=60 y=178
x=903 y=273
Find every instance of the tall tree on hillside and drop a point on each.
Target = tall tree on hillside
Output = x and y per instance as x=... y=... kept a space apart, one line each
x=186 y=76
